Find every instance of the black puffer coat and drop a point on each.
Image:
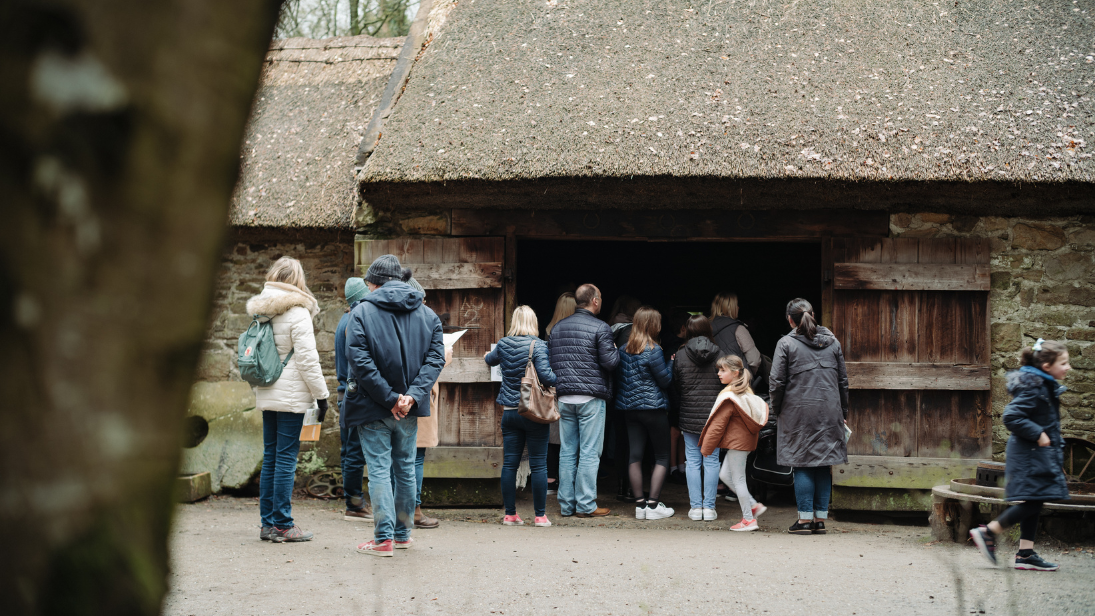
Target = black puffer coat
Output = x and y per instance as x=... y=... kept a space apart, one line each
x=809 y=389
x=583 y=356
x=642 y=380
x=1034 y=473
x=724 y=333
x=696 y=383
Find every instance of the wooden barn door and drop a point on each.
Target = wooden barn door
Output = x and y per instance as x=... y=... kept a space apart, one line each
x=912 y=316
x=462 y=277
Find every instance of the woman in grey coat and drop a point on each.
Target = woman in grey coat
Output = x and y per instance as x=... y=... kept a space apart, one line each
x=809 y=389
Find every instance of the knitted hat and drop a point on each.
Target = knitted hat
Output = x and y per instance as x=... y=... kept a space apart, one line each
x=417 y=287
x=384 y=269
x=356 y=289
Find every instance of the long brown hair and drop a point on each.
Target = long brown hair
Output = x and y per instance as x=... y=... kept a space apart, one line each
x=739 y=385
x=645 y=328
x=564 y=307
x=1047 y=353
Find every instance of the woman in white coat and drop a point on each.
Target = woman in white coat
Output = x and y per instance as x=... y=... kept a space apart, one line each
x=289 y=305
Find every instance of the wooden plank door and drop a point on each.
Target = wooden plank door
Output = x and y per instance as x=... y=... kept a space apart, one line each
x=462 y=277
x=912 y=316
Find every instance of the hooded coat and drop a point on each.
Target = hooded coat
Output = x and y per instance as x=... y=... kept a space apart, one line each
x=394 y=346
x=1034 y=473
x=809 y=391
x=301 y=383
x=696 y=382
x=735 y=423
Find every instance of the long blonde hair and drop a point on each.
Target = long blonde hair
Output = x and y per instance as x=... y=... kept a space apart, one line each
x=725 y=305
x=564 y=307
x=523 y=323
x=289 y=271
x=739 y=385
x=646 y=325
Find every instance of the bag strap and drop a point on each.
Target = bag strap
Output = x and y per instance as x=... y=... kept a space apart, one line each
x=287 y=358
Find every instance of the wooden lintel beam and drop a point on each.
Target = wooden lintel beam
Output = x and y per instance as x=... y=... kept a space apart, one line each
x=455 y=275
x=911 y=277
x=887 y=375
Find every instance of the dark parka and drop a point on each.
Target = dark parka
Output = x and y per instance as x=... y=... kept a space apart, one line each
x=511 y=353
x=583 y=356
x=809 y=389
x=642 y=380
x=1034 y=473
x=393 y=346
x=696 y=383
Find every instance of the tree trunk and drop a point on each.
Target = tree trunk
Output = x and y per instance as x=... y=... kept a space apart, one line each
x=120 y=128
x=355 y=19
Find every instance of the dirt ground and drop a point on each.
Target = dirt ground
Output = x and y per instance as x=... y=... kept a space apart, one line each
x=615 y=565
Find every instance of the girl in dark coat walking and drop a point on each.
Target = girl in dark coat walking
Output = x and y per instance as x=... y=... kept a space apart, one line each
x=696 y=385
x=642 y=379
x=1035 y=454
x=513 y=354
x=809 y=390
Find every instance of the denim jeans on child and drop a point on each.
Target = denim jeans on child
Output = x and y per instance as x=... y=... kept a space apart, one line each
x=390 y=452
x=280 y=445
x=581 y=432
x=516 y=433
x=353 y=468
x=813 y=487
x=701 y=492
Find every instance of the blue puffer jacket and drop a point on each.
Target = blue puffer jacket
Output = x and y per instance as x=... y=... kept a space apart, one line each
x=512 y=354
x=641 y=380
x=583 y=356
x=1034 y=473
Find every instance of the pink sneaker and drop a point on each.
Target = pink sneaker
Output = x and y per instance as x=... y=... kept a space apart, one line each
x=384 y=548
x=404 y=545
x=745 y=526
x=758 y=509
x=513 y=520
x=541 y=520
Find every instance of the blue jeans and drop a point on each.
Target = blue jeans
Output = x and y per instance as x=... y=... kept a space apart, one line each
x=516 y=432
x=813 y=486
x=582 y=434
x=353 y=468
x=280 y=446
x=419 y=462
x=389 y=452
x=701 y=492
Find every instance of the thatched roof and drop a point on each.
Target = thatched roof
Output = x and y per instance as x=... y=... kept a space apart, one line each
x=899 y=93
x=315 y=100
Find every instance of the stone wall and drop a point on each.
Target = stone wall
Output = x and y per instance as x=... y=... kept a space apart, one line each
x=1043 y=285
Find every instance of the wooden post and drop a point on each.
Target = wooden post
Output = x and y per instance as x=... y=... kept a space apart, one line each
x=509 y=277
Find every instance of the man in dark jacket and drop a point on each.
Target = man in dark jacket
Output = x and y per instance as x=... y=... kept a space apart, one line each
x=396 y=352
x=353 y=459
x=583 y=358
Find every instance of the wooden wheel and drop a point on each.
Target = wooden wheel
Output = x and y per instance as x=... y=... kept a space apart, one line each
x=1079 y=460
x=325 y=484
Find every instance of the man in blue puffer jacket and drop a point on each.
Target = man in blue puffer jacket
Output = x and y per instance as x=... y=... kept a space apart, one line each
x=583 y=357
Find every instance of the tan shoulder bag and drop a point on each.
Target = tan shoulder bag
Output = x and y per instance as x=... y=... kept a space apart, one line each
x=537 y=402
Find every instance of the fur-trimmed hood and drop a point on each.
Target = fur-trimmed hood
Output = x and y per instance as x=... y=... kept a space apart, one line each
x=277 y=298
x=1025 y=378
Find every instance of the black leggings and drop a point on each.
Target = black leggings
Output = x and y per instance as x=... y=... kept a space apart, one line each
x=1026 y=515
x=641 y=424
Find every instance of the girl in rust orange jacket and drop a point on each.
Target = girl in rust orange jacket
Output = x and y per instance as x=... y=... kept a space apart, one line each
x=734 y=425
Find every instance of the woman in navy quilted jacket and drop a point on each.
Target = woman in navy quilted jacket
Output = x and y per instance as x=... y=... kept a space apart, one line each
x=642 y=379
x=512 y=354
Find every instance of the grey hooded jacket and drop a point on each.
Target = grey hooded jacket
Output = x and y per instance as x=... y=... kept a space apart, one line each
x=809 y=389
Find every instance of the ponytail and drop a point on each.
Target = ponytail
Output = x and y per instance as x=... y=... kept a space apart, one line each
x=1043 y=352
x=802 y=314
x=739 y=385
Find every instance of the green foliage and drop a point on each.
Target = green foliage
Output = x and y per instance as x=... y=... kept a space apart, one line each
x=320 y=19
x=311 y=463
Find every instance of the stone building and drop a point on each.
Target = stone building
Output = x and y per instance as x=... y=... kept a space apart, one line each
x=919 y=173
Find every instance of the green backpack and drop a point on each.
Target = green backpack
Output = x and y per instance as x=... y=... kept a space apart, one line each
x=257 y=354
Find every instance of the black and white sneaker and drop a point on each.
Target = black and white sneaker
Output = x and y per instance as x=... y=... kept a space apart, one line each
x=985 y=540
x=798 y=528
x=1034 y=563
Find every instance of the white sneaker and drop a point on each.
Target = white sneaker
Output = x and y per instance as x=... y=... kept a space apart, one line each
x=710 y=514
x=659 y=513
x=640 y=513
x=730 y=499
x=695 y=514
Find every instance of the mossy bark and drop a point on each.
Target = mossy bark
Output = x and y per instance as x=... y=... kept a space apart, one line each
x=120 y=127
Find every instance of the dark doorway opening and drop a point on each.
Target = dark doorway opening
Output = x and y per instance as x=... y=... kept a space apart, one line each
x=676 y=278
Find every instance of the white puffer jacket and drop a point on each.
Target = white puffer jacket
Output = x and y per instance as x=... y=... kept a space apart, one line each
x=301 y=382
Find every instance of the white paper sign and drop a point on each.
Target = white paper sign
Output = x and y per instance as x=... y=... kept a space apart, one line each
x=495 y=371
x=450 y=339
x=311 y=416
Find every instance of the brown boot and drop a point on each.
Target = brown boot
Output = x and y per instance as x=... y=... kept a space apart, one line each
x=421 y=521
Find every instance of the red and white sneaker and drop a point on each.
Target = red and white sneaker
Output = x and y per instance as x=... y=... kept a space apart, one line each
x=541 y=520
x=384 y=548
x=403 y=545
x=745 y=526
x=513 y=520
x=758 y=509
